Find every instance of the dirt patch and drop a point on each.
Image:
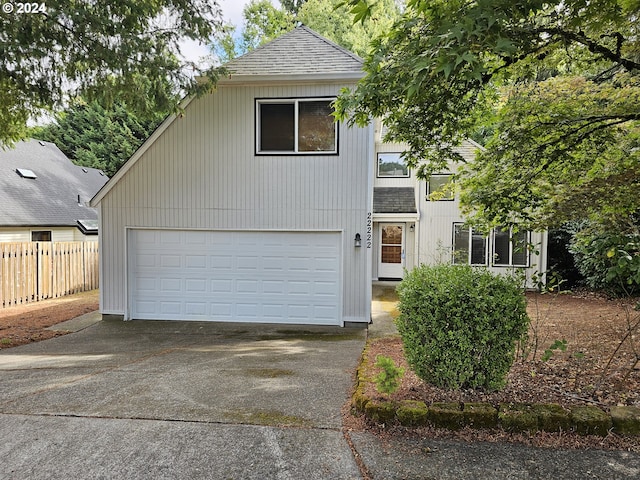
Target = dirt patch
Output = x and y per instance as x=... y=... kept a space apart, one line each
x=600 y=366
x=27 y=323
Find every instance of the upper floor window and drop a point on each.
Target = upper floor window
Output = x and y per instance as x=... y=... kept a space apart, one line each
x=300 y=126
x=392 y=165
x=440 y=187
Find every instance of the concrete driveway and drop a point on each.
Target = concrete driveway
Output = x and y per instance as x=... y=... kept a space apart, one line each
x=167 y=400
x=179 y=400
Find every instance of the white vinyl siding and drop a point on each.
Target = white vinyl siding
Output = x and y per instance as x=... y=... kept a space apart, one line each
x=203 y=173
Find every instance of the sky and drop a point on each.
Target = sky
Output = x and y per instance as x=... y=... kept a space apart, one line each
x=232 y=13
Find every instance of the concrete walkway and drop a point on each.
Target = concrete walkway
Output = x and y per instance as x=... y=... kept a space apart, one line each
x=168 y=400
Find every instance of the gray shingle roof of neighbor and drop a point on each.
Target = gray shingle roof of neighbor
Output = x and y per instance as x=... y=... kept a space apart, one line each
x=394 y=200
x=298 y=52
x=50 y=199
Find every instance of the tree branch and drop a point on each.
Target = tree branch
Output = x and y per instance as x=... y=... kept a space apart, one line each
x=595 y=47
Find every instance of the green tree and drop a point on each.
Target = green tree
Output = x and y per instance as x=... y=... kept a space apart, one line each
x=334 y=22
x=81 y=45
x=98 y=137
x=263 y=22
x=292 y=6
x=559 y=80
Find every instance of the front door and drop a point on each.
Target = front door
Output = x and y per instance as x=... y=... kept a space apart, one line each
x=391 y=263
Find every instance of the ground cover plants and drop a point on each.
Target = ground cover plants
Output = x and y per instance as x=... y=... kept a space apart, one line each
x=593 y=362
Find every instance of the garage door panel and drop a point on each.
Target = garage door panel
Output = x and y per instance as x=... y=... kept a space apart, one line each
x=170 y=285
x=195 y=308
x=287 y=277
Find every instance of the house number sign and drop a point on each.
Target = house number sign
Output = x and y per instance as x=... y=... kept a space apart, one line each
x=369 y=229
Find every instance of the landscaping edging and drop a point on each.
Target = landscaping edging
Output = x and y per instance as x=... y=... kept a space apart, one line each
x=511 y=417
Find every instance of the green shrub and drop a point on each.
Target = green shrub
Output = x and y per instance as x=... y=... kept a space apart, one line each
x=459 y=325
x=608 y=261
x=388 y=380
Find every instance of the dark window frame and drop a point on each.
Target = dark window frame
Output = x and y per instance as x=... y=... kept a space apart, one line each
x=44 y=233
x=295 y=101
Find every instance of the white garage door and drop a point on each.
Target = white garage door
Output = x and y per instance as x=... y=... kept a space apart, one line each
x=274 y=277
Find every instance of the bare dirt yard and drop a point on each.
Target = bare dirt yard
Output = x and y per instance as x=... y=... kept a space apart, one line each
x=22 y=324
x=600 y=366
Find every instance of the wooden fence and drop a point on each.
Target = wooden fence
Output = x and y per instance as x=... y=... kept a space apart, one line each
x=34 y=271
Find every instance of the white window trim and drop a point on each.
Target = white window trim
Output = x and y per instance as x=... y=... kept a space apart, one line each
x=490 y=249
x=510 y=260
x=469 y=247
x=295 y=102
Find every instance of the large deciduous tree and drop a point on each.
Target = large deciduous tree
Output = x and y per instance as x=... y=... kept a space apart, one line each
x=65 y=47
x=556 y=83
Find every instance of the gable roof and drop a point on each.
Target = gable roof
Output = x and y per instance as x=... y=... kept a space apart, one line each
x=299 y=53
x=51 y=198
x=394 y=200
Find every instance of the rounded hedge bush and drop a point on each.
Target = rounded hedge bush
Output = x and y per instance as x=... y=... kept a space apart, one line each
x=460 y=325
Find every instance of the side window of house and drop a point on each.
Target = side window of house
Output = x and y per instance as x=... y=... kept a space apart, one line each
x=439 y=187
x=510 y=248
x=469 y=246
x=41 y=236
x=300 y=126
x=391 y=165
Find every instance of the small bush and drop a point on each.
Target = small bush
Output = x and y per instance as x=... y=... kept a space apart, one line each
x=388 y=380
x=460 y=325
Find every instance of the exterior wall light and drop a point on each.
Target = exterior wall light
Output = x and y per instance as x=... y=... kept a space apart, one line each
x=357 y=242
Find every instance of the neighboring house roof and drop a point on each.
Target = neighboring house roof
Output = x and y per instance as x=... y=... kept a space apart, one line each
x=300 y=52
x=394 y=200
x=51 y=198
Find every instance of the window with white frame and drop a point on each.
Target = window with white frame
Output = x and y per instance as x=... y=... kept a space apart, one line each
x=469 y=245
x=510 y=248
x=392 y=165
x=440 y=187
x=298 y=126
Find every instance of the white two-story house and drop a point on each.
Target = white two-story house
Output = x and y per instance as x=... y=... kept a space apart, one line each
x=254 y=205
x=419 y=222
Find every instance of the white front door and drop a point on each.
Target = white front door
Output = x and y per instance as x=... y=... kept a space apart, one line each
x=391 y=259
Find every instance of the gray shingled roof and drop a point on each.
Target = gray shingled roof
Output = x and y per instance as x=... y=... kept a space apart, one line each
x=394 y=200
x=50 y=199
x=298 y=52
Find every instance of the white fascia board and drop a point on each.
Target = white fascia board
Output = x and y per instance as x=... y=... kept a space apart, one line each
x=295 y=78
x=396 y=217
x=106 y=188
